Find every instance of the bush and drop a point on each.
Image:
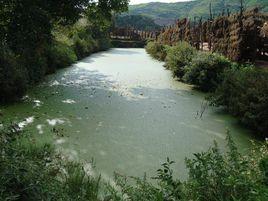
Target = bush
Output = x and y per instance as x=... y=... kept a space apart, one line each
x=13 y=77
x=84 y=44
x=35 y=172
x=103 y=44
x=206 y=70
x=60 y=56
x=36 y=65
x=178 y=57
x=244 y=92
x=156 y=50
x=214 y=176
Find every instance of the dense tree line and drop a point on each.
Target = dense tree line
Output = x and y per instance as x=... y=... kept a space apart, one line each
x=32 y=32
x=139 y=22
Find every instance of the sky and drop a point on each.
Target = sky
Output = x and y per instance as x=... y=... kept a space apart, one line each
x=146 y=1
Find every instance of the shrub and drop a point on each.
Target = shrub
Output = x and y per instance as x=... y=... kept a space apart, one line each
x=25 y=171
x=178 y=57
x=84 y=44
x=244 y=92
x=103 y=43
x=13 y=77
x=214 y=176
x=36 y=65
x=60 y=56
x=156 y=50
x=35 y=172
x=206 y=70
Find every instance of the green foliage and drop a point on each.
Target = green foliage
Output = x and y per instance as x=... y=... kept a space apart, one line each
x=25 y=170
x=13 y=79
x=78 y=185
x=35 y=64
x=244 y=92
x=205 y=70
x=60 y=55
x=138 y=22
x=178 y=57
x=134 y=189
x=170 y=188
x=227 y=177
x=156 y=50
x=35 y=172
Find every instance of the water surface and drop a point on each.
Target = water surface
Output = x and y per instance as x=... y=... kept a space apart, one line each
x=125 y=110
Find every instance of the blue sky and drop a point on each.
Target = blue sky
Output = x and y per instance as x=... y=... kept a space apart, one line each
x=146 y=1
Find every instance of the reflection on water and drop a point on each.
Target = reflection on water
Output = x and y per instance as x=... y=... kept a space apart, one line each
x=123 y=109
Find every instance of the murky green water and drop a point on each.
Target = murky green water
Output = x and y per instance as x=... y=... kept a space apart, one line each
x=123 y=109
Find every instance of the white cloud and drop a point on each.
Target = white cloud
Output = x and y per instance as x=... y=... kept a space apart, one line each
x=147 y=1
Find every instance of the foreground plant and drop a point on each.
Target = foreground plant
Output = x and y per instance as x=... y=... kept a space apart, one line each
x=36 y=172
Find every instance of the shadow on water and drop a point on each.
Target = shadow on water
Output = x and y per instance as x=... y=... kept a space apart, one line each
x=115 y=52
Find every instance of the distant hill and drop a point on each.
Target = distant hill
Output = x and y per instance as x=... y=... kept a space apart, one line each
x=140 y=22
x=166 y=13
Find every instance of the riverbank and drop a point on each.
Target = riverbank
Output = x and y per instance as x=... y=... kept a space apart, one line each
x=240 y=88
x=22 y=72
x=32 y=171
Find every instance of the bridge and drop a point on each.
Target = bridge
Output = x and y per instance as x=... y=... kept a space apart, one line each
x=129 y=37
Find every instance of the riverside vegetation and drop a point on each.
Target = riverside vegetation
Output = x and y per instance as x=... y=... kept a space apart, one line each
x=38 y=37
x=31 y=171
x=240 y=88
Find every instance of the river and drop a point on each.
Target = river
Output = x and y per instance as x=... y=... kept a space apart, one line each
x=125 y=110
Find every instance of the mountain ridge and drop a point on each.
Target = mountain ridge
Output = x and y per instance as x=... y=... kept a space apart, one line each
x=167 y=13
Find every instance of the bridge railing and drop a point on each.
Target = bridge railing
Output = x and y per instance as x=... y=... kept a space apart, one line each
x=133 y=34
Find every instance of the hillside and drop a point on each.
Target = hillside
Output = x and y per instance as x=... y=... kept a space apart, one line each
x=166 y=13
x=139 y=22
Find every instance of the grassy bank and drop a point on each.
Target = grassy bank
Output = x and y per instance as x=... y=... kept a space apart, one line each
x=29 y=171
x=241 y=89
